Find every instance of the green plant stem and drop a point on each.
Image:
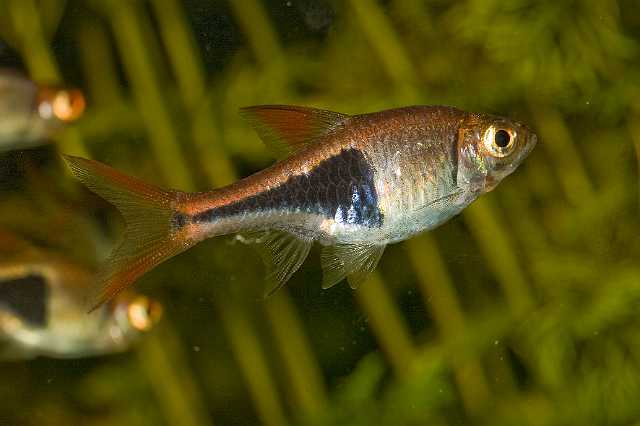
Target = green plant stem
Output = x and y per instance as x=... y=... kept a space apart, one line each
x=161 y=356
x=248 y=352
x=306 y=383
x=262 y=37
x=188 y=68
x=388 y=47
x=386 y=323
x=180 y=45
x=99 y=66
x=134 y=39
x=634 y=131
x=51 y=12
x=485 y=224
x=563 y=154
x=439 y=296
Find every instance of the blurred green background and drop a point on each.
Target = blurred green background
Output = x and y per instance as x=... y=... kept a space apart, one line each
x=525 y=310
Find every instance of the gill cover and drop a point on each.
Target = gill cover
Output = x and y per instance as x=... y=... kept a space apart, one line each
x=472 y=169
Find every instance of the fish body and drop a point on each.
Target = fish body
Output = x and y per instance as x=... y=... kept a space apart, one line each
x=380 y=179
x=29 y=113
x=351 y=183
x=43 y=308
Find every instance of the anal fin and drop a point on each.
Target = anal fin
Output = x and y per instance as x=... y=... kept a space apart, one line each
x=352 y=261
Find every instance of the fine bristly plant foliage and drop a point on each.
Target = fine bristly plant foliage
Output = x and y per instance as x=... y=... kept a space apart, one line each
x=525 y=310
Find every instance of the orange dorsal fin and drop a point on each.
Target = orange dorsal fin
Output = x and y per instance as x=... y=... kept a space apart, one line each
x=286 y=129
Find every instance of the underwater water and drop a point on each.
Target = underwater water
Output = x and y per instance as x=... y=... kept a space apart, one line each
x=523 y=310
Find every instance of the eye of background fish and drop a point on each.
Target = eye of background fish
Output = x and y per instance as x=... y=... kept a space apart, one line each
x=139 y=314
x=64 y=104
x=499 y=142
x=68 y=105
x=143 y=313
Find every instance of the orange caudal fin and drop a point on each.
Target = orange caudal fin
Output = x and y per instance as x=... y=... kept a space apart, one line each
x=150 y=236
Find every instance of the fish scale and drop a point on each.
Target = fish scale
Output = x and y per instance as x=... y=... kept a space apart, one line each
x=338 y=185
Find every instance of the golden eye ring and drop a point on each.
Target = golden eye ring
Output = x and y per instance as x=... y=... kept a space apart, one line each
x=499 y=142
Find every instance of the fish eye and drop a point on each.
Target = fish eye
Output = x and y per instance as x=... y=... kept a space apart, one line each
x=68 y=105
x=143 y=313
x=499 y=142
x=502 y=138
x=64 y=104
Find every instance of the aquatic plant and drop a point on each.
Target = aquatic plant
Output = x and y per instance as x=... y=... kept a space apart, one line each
x=522 y=311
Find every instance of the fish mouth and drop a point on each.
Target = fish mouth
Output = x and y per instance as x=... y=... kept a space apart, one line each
x=533 y=140
x=491 y=181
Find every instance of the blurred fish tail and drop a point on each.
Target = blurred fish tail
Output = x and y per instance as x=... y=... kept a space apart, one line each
x=151 y=234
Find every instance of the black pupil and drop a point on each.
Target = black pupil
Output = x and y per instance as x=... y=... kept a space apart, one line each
x=502 y=138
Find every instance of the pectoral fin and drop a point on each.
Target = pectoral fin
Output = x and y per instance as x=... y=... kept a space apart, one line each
x=352 y=261
x=444 y=200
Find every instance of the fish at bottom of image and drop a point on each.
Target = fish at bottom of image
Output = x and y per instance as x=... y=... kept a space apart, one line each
x=43 y=309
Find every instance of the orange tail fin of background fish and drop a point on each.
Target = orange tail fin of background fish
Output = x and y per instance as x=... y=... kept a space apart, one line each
x=149 y=238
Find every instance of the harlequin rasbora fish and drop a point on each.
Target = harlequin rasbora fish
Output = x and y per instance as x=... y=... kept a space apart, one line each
x=351 y=183
x=30 y=113
x=43 y=307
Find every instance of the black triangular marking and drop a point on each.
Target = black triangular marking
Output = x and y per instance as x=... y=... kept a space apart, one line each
x=341 y=187
x=26 y=297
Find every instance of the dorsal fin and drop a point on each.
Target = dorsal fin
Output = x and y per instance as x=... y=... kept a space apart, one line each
x=286 y=129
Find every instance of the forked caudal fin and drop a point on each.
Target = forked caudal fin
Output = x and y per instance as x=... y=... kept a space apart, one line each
x=149 y=238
